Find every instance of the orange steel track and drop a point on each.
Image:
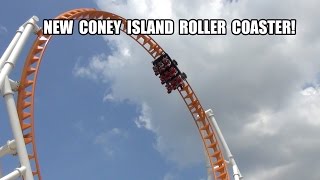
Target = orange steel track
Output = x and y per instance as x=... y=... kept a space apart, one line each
x=25 y=101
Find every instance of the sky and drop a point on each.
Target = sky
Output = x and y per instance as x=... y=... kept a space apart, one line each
x=100 y=112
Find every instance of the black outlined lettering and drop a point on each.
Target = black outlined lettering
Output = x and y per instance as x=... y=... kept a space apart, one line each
x=293 y=26
x=202 y=27
x=193 y=27
x=166 y=26
x=150 y=26
x=236 y=26
x=183 y=27
x=99 y=26
x=83 y=27
x=263 y=27
x=58 y=26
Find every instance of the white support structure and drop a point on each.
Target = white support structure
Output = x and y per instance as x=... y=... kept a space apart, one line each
x=14 y=85
x=7 y=87
x=12 y=44
x=9 y=148
x=236 y=172
x=15 y=174
x=12 y=53
x=16 y=128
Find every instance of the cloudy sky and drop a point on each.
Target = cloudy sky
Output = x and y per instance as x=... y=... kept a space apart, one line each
x=102 y=114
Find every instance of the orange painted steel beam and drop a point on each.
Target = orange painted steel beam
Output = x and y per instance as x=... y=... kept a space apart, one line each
x=25 y=102
x=211 y=144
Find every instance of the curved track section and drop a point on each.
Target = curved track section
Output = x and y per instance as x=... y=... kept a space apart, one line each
x=25 y=102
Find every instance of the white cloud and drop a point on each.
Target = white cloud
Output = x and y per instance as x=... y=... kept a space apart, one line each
x=286 y=138
x=252 y=82
x=79 y=71
x=3 y=29
x=138 y=9
x=108 y=97
x=169 y=176
x=303 y=108
x=308 y=106
x=261 y=124
x=106 y=140
x=310 y=91
x=79 y=125
x=144 y=119
x=267 y=174
x=130 y=82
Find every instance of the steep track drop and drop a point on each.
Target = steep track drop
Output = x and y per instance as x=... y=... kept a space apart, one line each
x=25 y=102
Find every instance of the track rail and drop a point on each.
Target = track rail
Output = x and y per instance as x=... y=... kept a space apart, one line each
x=25 y=101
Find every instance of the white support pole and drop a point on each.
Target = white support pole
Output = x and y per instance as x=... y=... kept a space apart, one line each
x=9 y=148
x=15 y=174
x=12 y=44
x=10 y=62
x=16 y=129
x=236 y=172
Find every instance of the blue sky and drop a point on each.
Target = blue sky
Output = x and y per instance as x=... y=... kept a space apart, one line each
x=102 y=114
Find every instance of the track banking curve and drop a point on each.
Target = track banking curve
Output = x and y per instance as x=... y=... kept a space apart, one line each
x=26 y=93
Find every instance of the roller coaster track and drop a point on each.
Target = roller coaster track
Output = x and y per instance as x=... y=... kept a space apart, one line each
x=26 y=93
